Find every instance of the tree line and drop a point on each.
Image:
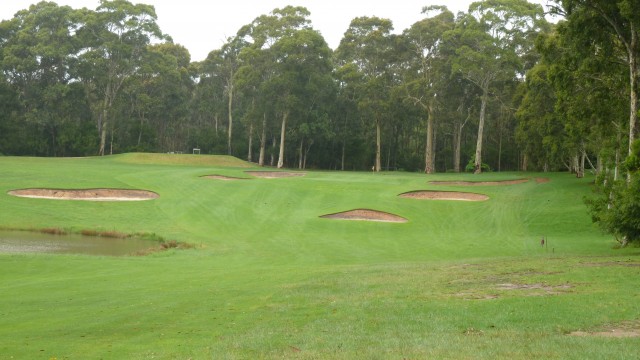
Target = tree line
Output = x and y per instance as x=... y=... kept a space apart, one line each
x=84 y=82
x=496 y=87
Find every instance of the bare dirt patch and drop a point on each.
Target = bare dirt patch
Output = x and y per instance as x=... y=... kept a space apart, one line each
x=366 y=215
x=481 y=183
x=627 y=329
x=444 y=195
x=611 y=263
x=275 y=174
x=86 y=194
x=537 y=289
x=223 y=178
x=542 y=180
x=472 y=296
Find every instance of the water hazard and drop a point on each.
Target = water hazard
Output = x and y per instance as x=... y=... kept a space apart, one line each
x=25 y=242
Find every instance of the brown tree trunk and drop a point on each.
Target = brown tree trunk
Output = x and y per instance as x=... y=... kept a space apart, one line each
x=249 y=155
x=344 y=145
x=103 y=132
x=457 y=141
x=633 y=80
x=616 y=171
x=306 y=154
x=263 y=140
x=300 y=154
x=378 y=165
x=273 y=150
x=230 y=110
x=283 y=131
x=483 y=107
x=428 y=166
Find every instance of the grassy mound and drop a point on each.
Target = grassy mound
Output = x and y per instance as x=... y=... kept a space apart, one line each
x=180 y=159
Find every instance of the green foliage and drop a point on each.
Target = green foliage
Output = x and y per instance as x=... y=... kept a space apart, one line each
x=471 y=166
x=616 y=204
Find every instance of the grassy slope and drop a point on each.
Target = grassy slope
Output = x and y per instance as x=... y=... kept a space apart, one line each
x=271 y=279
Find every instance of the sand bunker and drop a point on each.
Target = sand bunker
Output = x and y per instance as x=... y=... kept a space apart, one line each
x=444 y=195
x=480 y=183
x=274 y=174
x=223 y=178
x=366 y=215
x=86 y=194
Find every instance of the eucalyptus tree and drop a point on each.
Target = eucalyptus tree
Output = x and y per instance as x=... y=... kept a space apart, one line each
x=614 y=26
x=224 y=63
x=158 y=97
x=348 y=124
x=427 y=69
x=36 y=56
x=582 y=81
x=284 y=54
x=540 y=132
x=114 y=37
x=303 y=78
x=494 y=43
x=368 y=48
x=256 y=68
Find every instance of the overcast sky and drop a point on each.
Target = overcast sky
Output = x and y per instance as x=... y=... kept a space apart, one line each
x=203 y=25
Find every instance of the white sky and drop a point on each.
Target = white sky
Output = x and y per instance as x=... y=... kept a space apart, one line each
x=203 y=25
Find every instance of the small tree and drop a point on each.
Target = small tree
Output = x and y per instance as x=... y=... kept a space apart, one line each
x=617 y=205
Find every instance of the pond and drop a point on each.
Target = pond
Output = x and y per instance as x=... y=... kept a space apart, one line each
x=26 y=242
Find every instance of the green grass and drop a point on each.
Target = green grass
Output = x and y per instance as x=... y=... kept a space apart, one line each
x=270 y=279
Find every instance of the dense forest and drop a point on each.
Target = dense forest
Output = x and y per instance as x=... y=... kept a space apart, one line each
x=497 y=87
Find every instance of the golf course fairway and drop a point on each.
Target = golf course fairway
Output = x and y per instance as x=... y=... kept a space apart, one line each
x=263 y=275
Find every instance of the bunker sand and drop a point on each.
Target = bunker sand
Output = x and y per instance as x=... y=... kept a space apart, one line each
x=223 y=178
x=86 y=194
x=366 y=215
x=444 y=195
x=481 y=183
x=275 y=174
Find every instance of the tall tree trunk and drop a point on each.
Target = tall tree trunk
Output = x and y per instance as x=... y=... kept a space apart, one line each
x=457 y=143
x=378 y=165
x=633 y=80
x=103 y=130
x=263 y=140
x=457 y=151
x=433 y=148
x=616 y=171
x=483 y=108
x=283 y=131
x=428 y=166
x=140 y=131
x=583 y=156
x=273 y=151
x=306 y=154
x=111 y=144
x=249 y=154
x=300 y=154
x=500 y=151
x=344 y=145
x=230 y=110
